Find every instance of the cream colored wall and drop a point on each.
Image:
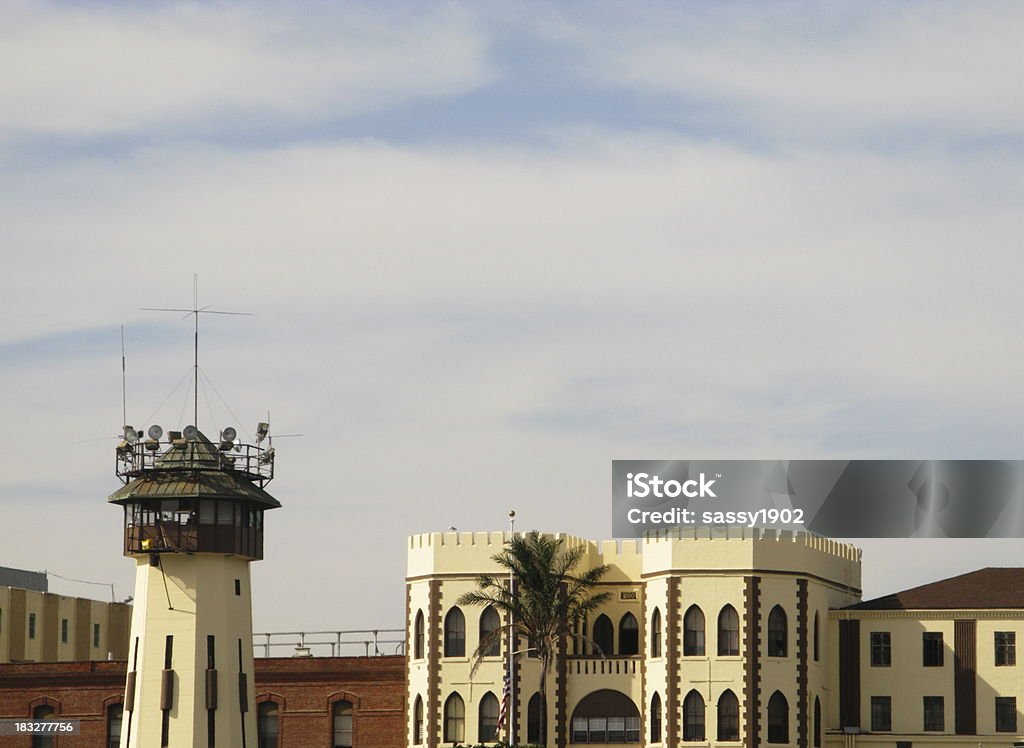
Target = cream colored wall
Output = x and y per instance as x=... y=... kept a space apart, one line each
x=419 y=593
x=1003 y=680
x=197 y=600
x=5 y=624
x=711 y=566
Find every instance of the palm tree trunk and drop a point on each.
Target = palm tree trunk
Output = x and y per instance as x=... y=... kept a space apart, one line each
x=545 y=661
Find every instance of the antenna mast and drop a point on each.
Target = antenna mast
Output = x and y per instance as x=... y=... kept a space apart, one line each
x=124 y=386
x=194 y=311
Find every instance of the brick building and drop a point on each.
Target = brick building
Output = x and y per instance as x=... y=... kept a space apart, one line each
x=299 y=698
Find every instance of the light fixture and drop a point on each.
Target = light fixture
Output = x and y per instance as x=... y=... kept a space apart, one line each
x=228 y=434
x=262 y=429
x=155 y=432
x=190 y=432
x=130 y=434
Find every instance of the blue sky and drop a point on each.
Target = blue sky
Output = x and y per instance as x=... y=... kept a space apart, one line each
x=491 y=247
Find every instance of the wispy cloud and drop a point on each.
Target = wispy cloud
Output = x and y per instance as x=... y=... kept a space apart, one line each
x=181 y=68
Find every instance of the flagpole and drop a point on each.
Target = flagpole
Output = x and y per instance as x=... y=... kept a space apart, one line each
x=512 y=641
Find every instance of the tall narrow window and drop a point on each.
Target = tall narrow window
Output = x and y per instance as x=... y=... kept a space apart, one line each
x=728 y=716
x=417 y=637
x=816 y=642
x=881 y=649
x=487 y=729
x=533 y=719
x=1006 y=714
x=817 y=722
x=629 y=635
x=934 y=713
x=728 y=632
x=655 y=719
x=777 y=632
x=455 y=634
x=63 y=630
x=267 y=725
x=778 y=718
x=604 y=635
x=43 y=740
x=342 y=724
x=881 y=713
x=31 y=625
x=454 y=719
x=1006 y=648
x=115 y=715
x=693 y=632
x=489 y=625
x=656 y=633
x=95 y=635
x=932 y=645
x=417 y=722
x=693 y=716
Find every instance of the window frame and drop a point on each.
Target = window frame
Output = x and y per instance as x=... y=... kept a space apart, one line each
x=694 y=629
x=778 y=639
x=1005 y=650
x=940 y=725
x=881 y=650
x=881 y=713
x=932 y=649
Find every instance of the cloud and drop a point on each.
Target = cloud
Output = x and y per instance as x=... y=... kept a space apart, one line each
x=836 y=71
x=88 y=70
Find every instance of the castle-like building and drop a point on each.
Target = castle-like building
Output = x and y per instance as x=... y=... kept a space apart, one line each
x=736 y=638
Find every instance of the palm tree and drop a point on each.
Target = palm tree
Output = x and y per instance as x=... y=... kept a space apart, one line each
x=550 y=598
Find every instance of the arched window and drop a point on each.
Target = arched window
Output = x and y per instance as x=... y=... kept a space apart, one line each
x=267 y=725
x=604 y=635
x=605 y=716
x=816 y=655
x=417 y=722
x=693 y=716
x=534 y=710
x=487 y=729
x=489 y=625
x=656 y=633
x=454 y=719
x=629 y=635
x=115 y=715
x=817 y=723
x=777 y=634
x=693 y=632
x=47 y=713
x=417 y=637
x=728 y=716
x=728 y=632
x=655 y=719
x=342 y=724
x=778 y=718
x=455 y=634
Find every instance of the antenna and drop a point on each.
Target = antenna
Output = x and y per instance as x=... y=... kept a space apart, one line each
x=124 y=386
x=195 y=311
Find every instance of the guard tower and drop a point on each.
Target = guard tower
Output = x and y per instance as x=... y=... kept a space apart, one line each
x=193 y=521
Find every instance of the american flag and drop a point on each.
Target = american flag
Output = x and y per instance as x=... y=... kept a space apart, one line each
x=506 y=696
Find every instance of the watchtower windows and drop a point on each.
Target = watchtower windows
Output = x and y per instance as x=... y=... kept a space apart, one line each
x=455 y=634
x=777 y=632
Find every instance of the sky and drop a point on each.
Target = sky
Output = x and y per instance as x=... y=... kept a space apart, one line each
x=489 y=248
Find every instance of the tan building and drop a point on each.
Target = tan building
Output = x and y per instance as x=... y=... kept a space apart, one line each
x=709 y=638
x=37 y=626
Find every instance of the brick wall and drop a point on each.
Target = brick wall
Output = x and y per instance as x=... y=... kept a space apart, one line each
x=304 y=688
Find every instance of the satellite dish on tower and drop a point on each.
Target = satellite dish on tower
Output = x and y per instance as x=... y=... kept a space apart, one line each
x=155 y=432
x=130 y=434
x=228 y=434
x=190 y=432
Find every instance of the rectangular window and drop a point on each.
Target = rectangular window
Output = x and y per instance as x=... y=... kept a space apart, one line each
x=598 y=730
x=881 y=713
x=934 y=713
x=616 y=730
x=1 y=620
x=932 y=641
x=238 y=587
x=95 y=634
x=881 y=649
x=1006 y=714
x=1006 y=648
x=31 y=625
x=64 y=630
x=632 y=729
x=579 y=730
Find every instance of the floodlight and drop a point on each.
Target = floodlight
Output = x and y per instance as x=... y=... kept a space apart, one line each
x=173 y=436
x=130 y=434
x=267 y=456
x=155 y=432
x=228 y=434
x=190 y=432
x=152 y=445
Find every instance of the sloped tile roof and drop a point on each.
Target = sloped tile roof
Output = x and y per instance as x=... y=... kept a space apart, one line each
x=989 y=588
